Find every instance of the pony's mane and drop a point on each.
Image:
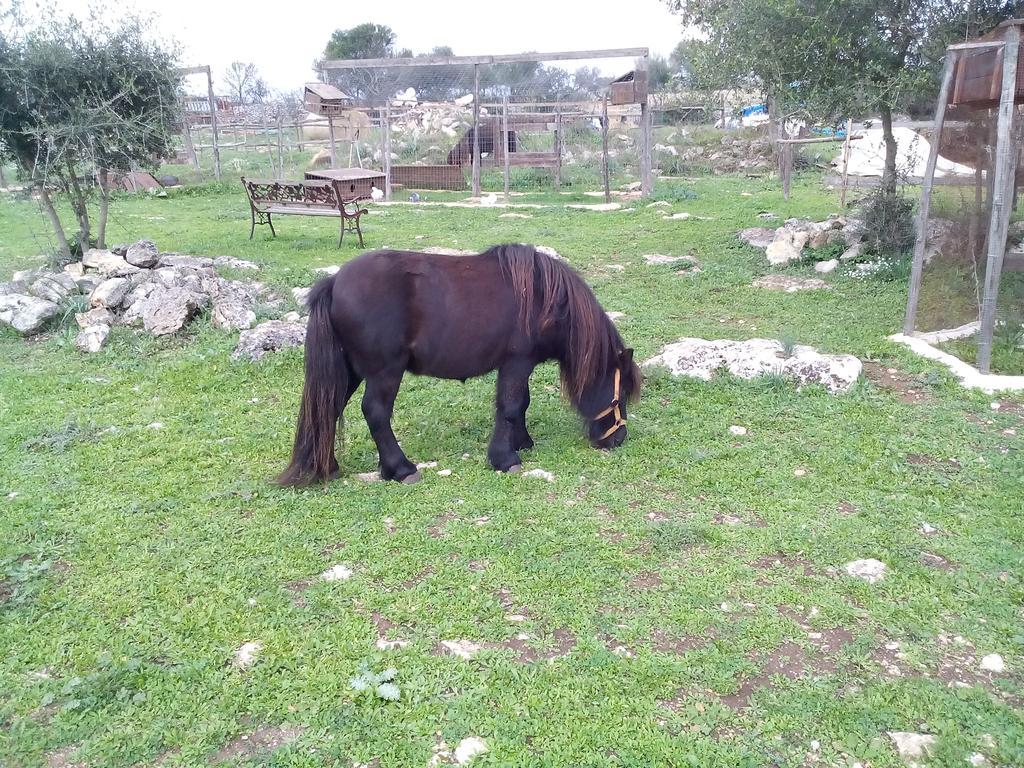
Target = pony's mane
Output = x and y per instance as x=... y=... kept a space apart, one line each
x=549 y=292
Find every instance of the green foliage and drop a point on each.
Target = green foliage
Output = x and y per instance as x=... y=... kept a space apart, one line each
x=888 y=223
x=382 y=684
x=827 y=252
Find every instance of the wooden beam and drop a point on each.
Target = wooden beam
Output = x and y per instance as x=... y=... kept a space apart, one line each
x=430 y=61
x=186 y=71
x=818 y=140
x=1002 y=198
x=476 y=130
x=975 y=45
x=647 y=133
x=213 y=123
x=846 y=163
x=921 y=243
x=386 y=152
x=558 y=150
x=604 y=150
x=504 y=144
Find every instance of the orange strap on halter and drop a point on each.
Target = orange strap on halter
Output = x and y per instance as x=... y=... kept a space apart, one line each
x=613 y=409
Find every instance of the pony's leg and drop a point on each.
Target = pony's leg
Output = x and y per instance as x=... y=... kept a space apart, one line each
x=521 y=439
x=513 y=397
x=378 y=405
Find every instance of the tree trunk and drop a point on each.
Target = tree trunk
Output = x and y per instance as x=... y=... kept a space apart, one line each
x=101 y=229
x=889 y=172
x=81 y=208
x=58 y=229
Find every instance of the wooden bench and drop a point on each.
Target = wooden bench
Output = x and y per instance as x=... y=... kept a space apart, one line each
x=301 y=198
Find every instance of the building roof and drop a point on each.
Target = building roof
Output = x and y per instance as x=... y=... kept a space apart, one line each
x=327 y=92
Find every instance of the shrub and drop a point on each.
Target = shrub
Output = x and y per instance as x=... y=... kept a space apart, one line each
x=888 y=224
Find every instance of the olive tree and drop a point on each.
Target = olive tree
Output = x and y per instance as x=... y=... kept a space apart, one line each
x=78 y=103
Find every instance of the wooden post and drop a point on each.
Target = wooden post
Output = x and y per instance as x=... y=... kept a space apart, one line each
x=267 y=145
x=280 y=140
x=386 y=150
x=921 y=243
x=1002 y=197
x=604 y=150
x=190 y=148
x=786 y=169
x=504 y=143
x=558 y=150
x=213 y=124
x=975 y=221
x=646 y=172
x=476 y=130
x=846 y=164
x=334 y=148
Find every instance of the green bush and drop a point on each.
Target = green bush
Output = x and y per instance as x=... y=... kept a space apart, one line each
x=888 y=224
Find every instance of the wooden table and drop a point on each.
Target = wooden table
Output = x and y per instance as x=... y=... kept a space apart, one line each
x=350 y=182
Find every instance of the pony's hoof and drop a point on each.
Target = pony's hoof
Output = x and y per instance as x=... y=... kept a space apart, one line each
x=514 y=469
x=412 y=479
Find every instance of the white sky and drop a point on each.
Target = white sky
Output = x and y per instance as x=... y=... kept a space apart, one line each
x=284 y=39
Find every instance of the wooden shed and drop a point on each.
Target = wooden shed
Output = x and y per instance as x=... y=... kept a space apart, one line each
x=631 y=88
x=324 y=99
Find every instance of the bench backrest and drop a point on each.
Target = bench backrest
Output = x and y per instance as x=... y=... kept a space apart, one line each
x=309 y=194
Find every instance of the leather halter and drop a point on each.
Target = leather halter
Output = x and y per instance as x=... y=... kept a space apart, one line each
x=612 y=409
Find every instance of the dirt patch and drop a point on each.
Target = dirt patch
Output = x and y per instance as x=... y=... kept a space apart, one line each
x=612 y=537
x=419 y=577
x=845 y=508
x=645 y=580
x=560 y=643
x=437 y=528
x=922 y=460
x=749 y=519
x=904 y=385
x=662 y=642
x=614 y=646
x=263 y=740
x=64 y=758
x=782 y=561
x=936 y=561
x=789 y=660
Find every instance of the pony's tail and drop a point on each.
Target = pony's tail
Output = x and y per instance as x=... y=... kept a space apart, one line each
x=322 y=394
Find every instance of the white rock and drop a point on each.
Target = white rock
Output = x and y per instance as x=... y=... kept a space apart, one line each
x=550 y=252
x=391 y=645
x=142 y=254
x=660 y=204
x=824 y=267
x=155 y=425
x=180 y=260
x=444 y=472
x=338 y=572
x=870 y=570
x=94 y=316
x=541 y=474
x=92 y=338
x=26 y=314
x=370 y=477
x=464 y=649
x=757 y=237
x=166 y=311
x=271 y=336
x=853 y=252
x=658 y=259
x=912 y=745
x=786 y=247
x=468 y=748
x=789 y=283
x=247 y=655
x=700 y=358
x=516 y=216
x=301 y=295
x=684 y=216
x=595 y=206
x=737 y=430
x=927 y=529
x=993 y=663
x=613 y=316
x=233 y=263
x=799 y=472
x=110 y=293
x=107 y=263
x=54 y=287
x=977 y=759
x=232 y=315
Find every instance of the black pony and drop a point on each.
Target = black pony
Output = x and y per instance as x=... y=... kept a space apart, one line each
x=455 y=317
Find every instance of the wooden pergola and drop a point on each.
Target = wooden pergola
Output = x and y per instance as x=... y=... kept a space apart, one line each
x=978 y=76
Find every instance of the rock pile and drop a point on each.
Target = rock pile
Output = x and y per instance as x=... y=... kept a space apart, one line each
x=133 y=285
x=700 y=358
x=786 y=244
x=733 y=153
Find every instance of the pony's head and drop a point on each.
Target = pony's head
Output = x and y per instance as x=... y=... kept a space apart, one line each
x=603 y=401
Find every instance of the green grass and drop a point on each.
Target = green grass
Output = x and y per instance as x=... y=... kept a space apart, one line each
x=134 y=561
